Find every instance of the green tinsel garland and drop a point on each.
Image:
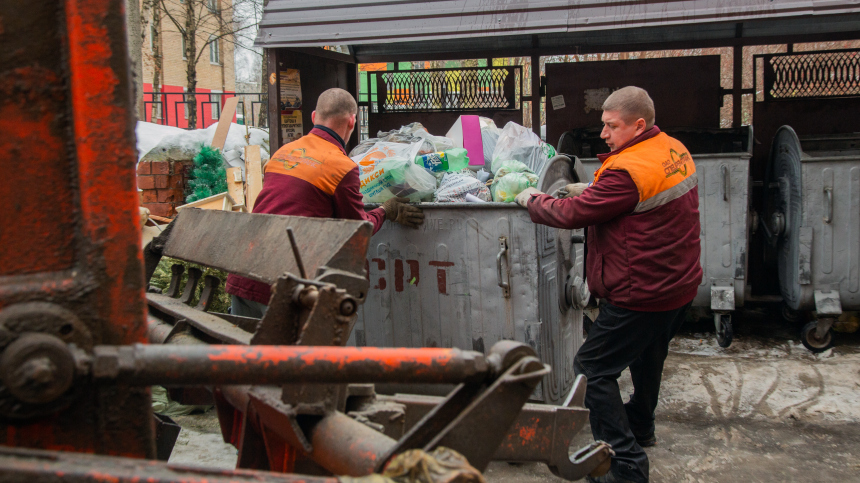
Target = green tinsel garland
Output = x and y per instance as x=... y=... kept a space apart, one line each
x=210 y=176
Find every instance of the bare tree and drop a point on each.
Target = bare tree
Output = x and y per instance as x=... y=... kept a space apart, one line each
x=151 y=9
x=201 y=23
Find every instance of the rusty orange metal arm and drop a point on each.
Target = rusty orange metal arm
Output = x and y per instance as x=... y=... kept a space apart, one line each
x=143 y=365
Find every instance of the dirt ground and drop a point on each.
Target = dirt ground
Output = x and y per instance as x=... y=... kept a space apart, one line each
x=763 y=410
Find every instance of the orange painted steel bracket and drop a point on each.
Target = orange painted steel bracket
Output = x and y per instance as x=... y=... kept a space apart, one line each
x=541 y=433
x=472 y=420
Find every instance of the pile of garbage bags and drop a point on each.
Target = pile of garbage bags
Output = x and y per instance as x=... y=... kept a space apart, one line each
x=474 y=162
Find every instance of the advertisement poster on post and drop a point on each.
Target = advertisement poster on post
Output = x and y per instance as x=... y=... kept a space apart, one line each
x=291 y=125
x=290 y=104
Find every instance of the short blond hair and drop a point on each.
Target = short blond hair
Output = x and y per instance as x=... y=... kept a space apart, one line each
x=632 y=103
x=335 y=104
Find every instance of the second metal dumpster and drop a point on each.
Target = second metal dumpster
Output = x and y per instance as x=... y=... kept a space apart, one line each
x=477 y=273
x=812 y=221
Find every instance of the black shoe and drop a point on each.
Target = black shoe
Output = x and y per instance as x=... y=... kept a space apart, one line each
x=607 y=478
x=646 y=441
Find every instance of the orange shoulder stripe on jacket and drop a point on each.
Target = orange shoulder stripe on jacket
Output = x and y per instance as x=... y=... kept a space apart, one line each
x=657 y=183
x=314 y=160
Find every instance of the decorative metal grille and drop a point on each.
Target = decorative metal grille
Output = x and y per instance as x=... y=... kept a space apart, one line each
x=812 y=74
x=447 y=89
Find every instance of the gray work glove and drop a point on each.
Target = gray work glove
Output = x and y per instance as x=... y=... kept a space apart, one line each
x=571 y=191
x=525 y=195
x=398 y=211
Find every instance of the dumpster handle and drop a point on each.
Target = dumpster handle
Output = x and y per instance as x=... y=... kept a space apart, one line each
x=503 y=249
x=725 y=170
x=828 y=213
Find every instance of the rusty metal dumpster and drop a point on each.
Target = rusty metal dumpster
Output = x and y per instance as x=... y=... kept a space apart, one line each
x=722 y=159
x=477 y=273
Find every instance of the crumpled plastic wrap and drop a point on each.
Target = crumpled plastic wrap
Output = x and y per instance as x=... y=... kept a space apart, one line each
x=521 y=144
x=442 y=465
x=512 y=177
x=407 y=142
x=489 y=136
x=455 y=186
x=506 y=188
x=368 y=160
x=397 y=177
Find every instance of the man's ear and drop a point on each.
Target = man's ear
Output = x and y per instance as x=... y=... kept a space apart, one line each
x=352 y=121
x=313 y=117
x=640 y=126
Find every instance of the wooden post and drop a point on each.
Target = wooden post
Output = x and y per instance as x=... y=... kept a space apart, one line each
x=274 y=109
x=253 y=175
x=224 y=123
x=536 y=94
x=235 y=187
x=737 y=85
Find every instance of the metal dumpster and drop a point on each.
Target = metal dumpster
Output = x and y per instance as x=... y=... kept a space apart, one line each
x=477 y=273
x=812 y=221
x=722 y=158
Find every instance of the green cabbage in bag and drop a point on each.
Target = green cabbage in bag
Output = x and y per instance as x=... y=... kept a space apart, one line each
x=506 y=188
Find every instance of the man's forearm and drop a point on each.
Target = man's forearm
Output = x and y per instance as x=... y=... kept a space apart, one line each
x=614 y=195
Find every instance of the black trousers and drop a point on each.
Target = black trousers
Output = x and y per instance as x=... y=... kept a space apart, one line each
x=618 y=339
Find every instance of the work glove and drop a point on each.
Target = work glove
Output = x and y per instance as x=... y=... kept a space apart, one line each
x=525 y=195
x=571 y=191
x=398 y=211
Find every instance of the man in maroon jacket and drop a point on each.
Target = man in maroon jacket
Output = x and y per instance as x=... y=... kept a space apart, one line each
x=314 y=177
x=642 y=214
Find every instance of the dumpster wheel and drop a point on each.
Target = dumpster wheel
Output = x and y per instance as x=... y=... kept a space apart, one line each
x=724 y=329
x=811 y=340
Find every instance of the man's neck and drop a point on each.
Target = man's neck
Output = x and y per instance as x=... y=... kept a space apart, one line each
x=333 y=133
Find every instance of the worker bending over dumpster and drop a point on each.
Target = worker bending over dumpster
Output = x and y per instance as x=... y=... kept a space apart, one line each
x=313 y=177
x=642 y=214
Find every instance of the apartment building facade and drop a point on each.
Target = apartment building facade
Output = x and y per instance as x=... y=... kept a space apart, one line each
x=164 y=43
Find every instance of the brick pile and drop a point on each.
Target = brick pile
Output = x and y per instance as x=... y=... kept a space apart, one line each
x=162 y=185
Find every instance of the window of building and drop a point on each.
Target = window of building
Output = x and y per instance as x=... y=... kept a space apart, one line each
x=214 y=53
x=216 y=107
x=213 y=5
x=152 y=34
x=184 y=57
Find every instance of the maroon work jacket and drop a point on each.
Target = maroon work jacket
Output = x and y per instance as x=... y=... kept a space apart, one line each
x=646 y=261
x=323 y=185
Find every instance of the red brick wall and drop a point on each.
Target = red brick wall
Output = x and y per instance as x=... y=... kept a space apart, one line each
x=162 y=185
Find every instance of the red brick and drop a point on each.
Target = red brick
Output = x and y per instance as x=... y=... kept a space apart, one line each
x=146 y=182
x=160 y=167
x=177 y=181
x=170 y=196
x=160 y=209
x=148 y=196
x=144 y=167
x=162 y=181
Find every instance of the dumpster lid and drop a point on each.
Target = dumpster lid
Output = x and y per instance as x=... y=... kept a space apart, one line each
x=559 y=172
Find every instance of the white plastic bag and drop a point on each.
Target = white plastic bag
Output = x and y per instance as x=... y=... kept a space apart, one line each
x=455 y=187
x=397 y=177
x=416 y=132
x=368 y=160
x=489 y=136
x=521 y=144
